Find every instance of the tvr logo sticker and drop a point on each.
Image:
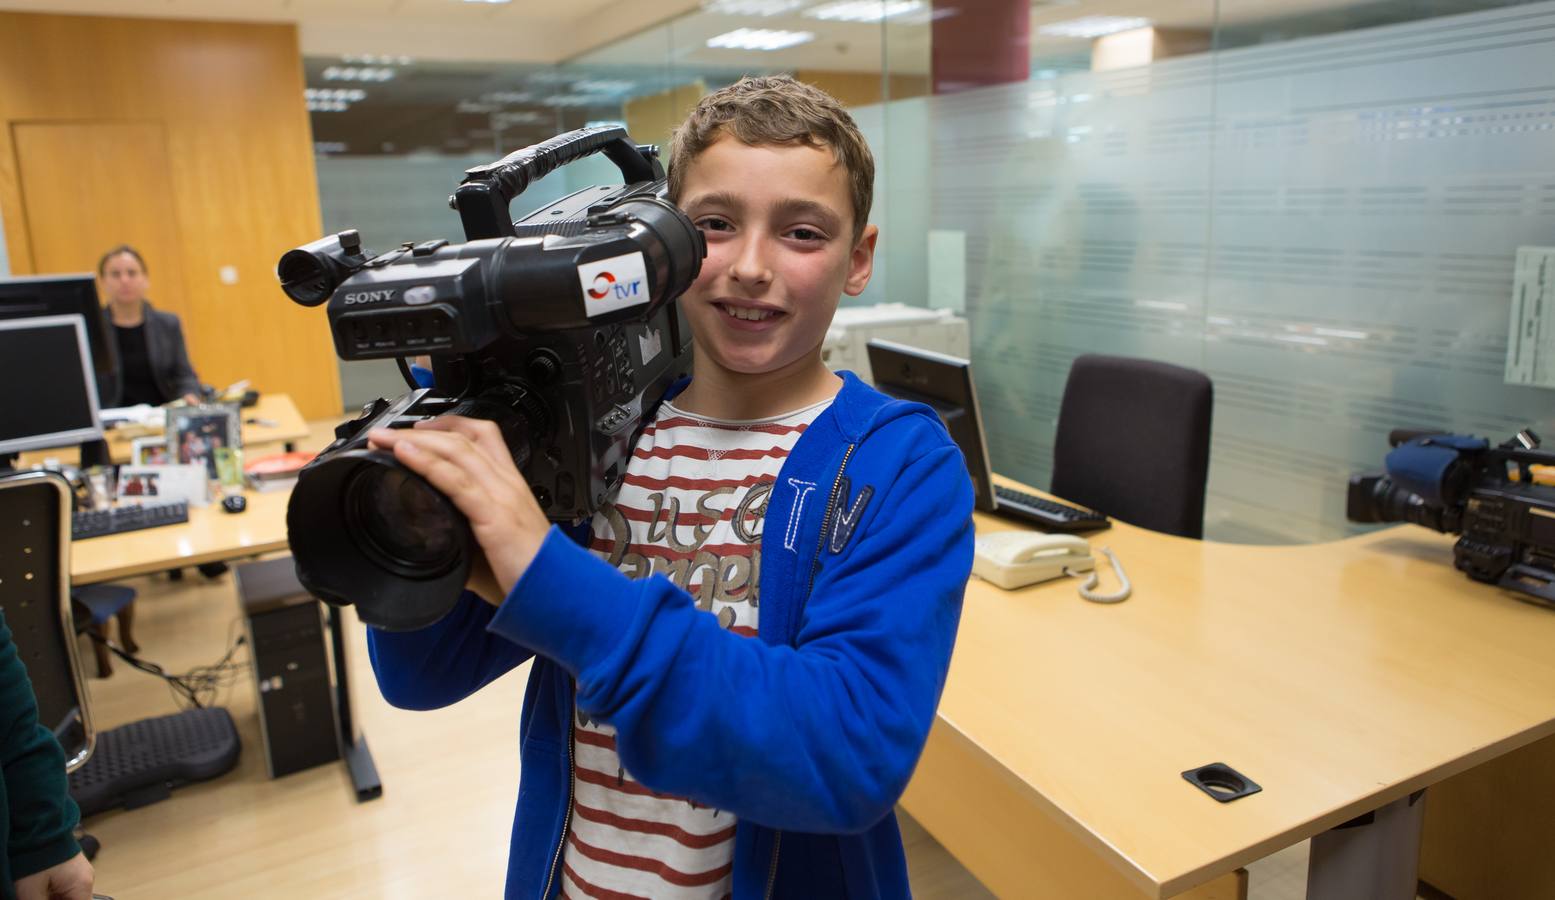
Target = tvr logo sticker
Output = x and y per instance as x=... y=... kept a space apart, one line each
x=615 y=283
x=602 y=283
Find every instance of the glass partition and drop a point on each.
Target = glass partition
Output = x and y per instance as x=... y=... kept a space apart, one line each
x=1319 y=205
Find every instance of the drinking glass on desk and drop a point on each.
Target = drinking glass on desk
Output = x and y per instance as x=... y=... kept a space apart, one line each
x=100 y=484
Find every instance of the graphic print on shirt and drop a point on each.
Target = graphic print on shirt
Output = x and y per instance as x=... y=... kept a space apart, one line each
x=675 y=541
x=691 y=508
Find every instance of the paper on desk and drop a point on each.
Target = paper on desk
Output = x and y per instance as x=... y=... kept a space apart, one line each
x=139 y=414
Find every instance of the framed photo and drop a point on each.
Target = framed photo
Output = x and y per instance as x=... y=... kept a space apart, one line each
x=163 y=484
x=229 y=467
x=150 y=451
x=195 y=433
x=140 y=483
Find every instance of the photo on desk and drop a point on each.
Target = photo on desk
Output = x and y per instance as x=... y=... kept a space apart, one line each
x=150 y=451
x=229 y=467
x=163 y=484
x=136 y=483
x=195 y=433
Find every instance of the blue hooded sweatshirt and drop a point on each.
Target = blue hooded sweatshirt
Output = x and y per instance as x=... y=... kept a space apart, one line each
x=807 y=734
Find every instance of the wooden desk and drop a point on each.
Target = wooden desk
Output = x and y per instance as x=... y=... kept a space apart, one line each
x=278 y=408
x=210 y=535
x=1339 y=676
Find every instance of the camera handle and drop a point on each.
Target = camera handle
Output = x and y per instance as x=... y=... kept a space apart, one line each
x=483 y=197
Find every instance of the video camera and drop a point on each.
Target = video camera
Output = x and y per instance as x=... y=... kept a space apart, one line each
x=1501 y=500
x=559 y=327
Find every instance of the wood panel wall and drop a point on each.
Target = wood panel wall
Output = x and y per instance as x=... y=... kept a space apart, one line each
x=229 y=97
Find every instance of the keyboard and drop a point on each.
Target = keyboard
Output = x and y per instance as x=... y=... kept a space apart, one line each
x=90 y=523
x=1049 y=515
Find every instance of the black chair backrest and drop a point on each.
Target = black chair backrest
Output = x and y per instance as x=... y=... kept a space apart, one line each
x=35 y=599
x=1133 y=442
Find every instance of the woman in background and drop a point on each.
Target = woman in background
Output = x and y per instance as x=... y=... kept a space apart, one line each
x=153 y=363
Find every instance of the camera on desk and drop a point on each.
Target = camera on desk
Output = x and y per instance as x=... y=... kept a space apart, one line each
x=1500 y=500
x=561 y=328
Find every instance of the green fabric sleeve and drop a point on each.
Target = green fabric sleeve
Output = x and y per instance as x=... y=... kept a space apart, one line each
x=37 y=817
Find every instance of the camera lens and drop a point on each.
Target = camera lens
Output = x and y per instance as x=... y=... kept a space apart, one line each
x=367 y=532
x=401 y=521
x=1375 y=499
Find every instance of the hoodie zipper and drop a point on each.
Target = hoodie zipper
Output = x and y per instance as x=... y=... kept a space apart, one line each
x=831 y=506
x=572 y=781
x=777 y=844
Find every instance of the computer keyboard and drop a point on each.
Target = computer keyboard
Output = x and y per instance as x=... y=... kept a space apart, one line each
x=1046 y=514
x=90 y=523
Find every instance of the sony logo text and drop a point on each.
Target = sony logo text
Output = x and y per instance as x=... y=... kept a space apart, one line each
x=369 y=297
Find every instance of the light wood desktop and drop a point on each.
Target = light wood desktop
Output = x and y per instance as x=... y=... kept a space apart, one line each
x=1339 y=676
x=268 y=426
x=210 y=535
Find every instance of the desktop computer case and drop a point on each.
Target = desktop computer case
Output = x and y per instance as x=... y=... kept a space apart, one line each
x=291 y=668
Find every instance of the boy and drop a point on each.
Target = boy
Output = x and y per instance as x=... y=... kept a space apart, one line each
x=743 y=721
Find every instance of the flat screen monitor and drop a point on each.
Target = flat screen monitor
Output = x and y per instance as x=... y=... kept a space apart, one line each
x=51 y=396
x=66 y=295
x=943 y=383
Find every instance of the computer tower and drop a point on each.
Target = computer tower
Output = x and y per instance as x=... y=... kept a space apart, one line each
x=291 y=668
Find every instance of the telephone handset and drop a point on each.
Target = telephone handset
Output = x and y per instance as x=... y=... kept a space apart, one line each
x=1012 y=559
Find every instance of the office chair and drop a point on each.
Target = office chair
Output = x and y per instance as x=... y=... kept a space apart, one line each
x=1133 y=442
x=130 y=765
x=35 y=570
x=94 y=605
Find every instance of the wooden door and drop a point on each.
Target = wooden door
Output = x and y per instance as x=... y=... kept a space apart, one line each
x=90 y=186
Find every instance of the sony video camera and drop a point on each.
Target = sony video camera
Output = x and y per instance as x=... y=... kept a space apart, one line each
x=560 y=328
x=1501 y=500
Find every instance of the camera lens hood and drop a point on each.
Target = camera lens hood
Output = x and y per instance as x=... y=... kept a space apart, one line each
x=368 y=532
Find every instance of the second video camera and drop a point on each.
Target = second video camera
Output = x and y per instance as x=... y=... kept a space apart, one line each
x=560 y=328
x=1500 y=500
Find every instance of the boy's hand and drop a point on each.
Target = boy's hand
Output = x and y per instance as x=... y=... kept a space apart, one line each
x=469 y=462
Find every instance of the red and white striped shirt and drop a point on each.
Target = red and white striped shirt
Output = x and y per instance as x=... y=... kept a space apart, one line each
x=691 y=507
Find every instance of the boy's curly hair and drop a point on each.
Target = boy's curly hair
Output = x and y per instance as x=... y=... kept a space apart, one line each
x=777 y=109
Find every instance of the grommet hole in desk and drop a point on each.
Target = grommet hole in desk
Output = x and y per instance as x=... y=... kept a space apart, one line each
x=1221 y=782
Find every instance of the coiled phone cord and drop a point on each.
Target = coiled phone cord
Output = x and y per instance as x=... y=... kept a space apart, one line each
x=1088 y=589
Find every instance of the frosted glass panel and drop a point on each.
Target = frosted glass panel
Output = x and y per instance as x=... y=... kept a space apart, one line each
x=1324 y=220
x=1371 y=190
x=1326 y=226
x=1084 y=202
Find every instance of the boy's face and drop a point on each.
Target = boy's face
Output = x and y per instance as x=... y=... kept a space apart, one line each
x=780 y=254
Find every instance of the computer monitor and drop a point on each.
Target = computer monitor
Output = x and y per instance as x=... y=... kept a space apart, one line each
x=51 y=396
x=943 y=383
x=64 y=295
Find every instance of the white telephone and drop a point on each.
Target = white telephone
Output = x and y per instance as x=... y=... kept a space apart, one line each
x=1012 y=559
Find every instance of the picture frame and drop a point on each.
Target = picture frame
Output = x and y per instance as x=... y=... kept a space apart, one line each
x=163 y=484
x=150 y=451
x=229 y=467
x=140 y=484
x=194 y=433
